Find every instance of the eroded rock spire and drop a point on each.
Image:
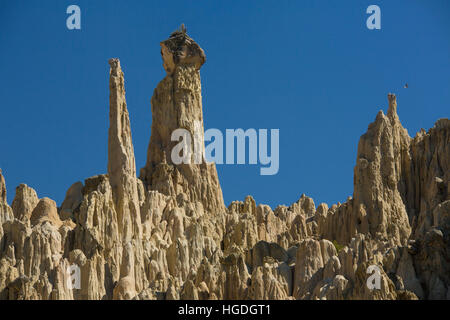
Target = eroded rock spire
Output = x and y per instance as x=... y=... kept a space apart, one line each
x=2 y=188
x=177 y=103
x=383 y=157
x=121 y=161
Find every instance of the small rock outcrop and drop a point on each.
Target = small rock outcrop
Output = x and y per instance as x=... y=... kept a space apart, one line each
x=24 y=202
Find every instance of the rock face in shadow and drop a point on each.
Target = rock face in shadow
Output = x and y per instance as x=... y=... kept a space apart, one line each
x=168 y=235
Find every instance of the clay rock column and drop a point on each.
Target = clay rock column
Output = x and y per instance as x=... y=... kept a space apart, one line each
x=177 y=103
x=121 y=161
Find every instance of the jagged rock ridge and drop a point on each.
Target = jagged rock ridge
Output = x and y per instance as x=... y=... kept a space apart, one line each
x=168 y=234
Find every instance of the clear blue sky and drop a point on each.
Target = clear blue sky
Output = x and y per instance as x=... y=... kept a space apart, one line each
x=310 y=68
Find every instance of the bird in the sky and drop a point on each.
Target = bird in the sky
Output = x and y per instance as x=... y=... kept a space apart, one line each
x=405 y=86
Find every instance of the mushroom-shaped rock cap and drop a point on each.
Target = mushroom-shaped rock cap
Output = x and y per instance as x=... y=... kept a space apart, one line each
x=180 y=49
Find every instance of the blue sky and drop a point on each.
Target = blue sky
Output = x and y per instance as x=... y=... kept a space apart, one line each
x=310 y=68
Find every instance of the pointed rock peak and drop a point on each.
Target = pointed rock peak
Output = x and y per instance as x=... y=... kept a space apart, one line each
x=120 y=147
x=181 y=49
x=121 y=161
x=2 y=188
x=392 y=110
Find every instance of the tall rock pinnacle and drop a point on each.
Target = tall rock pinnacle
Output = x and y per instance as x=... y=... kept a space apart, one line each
x=383 y=156
x=5 y=210
x=121 y=162
x=177 y=103
x=2 y=188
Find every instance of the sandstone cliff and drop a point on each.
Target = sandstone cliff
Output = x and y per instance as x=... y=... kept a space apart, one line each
x=168 y=234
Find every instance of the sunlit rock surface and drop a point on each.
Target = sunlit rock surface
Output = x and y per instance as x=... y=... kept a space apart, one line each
x=168 y=234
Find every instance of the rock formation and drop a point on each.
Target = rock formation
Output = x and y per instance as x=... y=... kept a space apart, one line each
x=177 y=103
x=121 y=163
x=168 y=234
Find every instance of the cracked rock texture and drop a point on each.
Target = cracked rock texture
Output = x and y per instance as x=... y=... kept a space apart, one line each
x=167 y=234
